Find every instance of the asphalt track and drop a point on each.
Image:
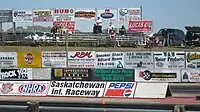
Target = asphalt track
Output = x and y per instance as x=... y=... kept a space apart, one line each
x=181 y=94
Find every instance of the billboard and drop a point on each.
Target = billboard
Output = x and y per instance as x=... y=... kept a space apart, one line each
x=63 y=14
x=42 y=15
x=140 y=26
x=129 y=14
x=22 y=16
x=85 y=14
x=6 y=16
x=107 y=14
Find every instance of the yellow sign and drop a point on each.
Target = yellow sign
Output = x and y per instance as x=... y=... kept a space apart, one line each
x=29 y=59
x=192 y=56
x=43 y=13
x=58 y=72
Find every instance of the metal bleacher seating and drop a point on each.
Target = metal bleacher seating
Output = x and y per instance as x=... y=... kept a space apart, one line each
x=76 y=38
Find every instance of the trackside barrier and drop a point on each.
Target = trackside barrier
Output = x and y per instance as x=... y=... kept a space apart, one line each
x=85 y=89
x=152 y=90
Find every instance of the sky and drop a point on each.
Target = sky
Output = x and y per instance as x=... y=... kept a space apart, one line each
x=163 y=13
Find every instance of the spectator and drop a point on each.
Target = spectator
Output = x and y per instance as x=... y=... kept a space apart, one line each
x=165 y=37
x=111 y=27
x=95 y=30
x=99 y=25
x=122 y=30
x=63 y=29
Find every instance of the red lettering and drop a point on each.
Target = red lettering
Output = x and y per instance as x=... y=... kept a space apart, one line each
x=82 y=55
x=56 y=11
x=62 y=11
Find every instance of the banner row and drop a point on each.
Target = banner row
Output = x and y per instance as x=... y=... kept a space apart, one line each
x=92 y=59
x=85 y=74
x=83 y=89
x=70 y=14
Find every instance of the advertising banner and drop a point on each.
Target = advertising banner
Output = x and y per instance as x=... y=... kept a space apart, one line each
x=81 y=59
x=54 y=59
x=24 y=88
x=42 y=15
x=69 y=25
x=71 y=74
x=107 y=14
x=129 y=14
x=157 y=75
x=140 y=26
x=113 y=75
x=120 y=89
x=29 y=59
x=138 y=60
x=15 y=73
x=109 y=60
x=6 y=16
x=169 y=59
x=190 y=75
x=85 y=14
x=8 y=59
x=76 y=88
x=192 y=60
x=22 y=16
x=64 y=14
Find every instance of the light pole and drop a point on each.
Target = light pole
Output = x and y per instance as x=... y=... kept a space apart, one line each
x=66 y=48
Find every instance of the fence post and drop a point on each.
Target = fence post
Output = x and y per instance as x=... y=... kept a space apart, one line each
x=179 y=108
x=33 y=107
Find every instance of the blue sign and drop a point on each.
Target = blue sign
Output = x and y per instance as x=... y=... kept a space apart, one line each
x=107 y=15
x=32 y=88
x=6 y=16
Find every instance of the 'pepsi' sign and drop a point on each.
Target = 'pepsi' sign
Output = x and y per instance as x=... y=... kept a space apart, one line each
x=120 y=89
x=32 y=88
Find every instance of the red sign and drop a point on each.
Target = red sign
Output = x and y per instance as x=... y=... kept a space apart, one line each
x=82 y=55
x=69 y=25
x=140 y=26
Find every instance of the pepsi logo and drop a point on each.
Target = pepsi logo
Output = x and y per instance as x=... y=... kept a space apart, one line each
x=127 y=92
x=32 y=88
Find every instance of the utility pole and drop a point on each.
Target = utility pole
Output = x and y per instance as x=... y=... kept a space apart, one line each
x=66 y=47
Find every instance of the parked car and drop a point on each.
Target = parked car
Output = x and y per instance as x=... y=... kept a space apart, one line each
x=177 y=34
x=192 y=38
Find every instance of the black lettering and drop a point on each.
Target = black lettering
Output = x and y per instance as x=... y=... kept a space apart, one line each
x=68 y=92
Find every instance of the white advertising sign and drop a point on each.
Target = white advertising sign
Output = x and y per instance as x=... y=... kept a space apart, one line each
x=169 y=59
x=120 y=89
x=8 y=59
x=107 y=14
x=193 y=60
x=85 y=14
x=190 y=75
x=109 y=60
x=54 y=59
x=66 y=14
x=157 y=75
x=138 y=60
x=76 y=88
x=81 y=59
x=129 y=14
x=22 y=16
x=24 y=88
